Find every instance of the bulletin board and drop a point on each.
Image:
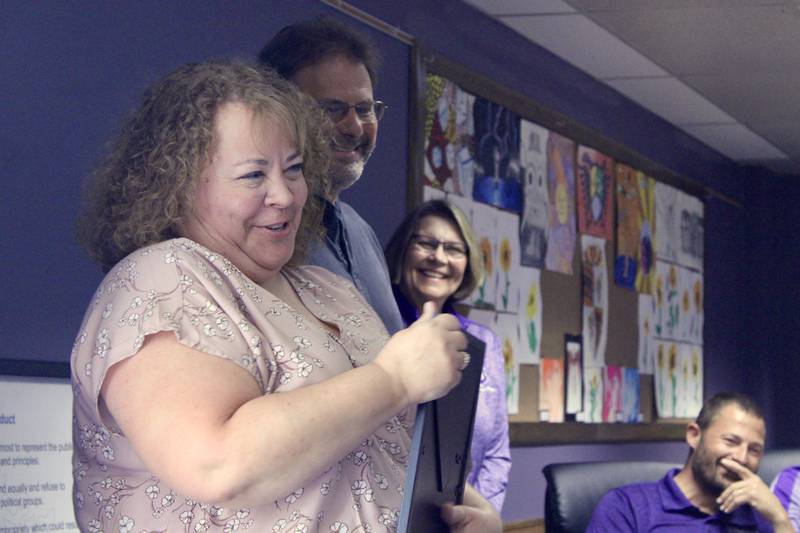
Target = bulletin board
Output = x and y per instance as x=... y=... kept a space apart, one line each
x=462 y=128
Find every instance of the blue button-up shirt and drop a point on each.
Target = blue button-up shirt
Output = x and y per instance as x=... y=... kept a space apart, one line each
x=352 y=250
x=662 y=507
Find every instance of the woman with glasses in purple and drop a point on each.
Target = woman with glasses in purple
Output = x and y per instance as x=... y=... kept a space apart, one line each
x=434 y=256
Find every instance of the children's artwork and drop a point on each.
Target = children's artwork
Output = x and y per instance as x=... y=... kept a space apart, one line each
x=595 y=193
x=551 y=390
x=505 y=327
x=629 y=226
x=646 y=255
x=696 y=315
x=465 y=205
x=668 y=307
x=574 y=369
x=694 y=386
x=533 y=226
x=497 y=171
x=630 y=395
x=561 y=209
x=612 y=393
x=666 y=379
x=449 y=133
x=691 y=216
x=508 y=280
x=595 y=300
x=530 y=315
x=667 y=222
x=592 y=395
x=647 y=346
x=432 y=193
x=484 y=224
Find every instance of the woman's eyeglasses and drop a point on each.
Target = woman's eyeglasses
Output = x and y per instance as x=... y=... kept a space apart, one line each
x=367 y=112
x=429 y=245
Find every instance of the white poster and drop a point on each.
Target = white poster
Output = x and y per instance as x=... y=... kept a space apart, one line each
x=36 y=454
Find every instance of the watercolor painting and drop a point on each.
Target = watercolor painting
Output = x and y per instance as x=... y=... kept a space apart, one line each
x=507 y=297
x=646 y=254
x=551 y=390
x=612 y=393
x=594 y=288
x=561 y=229
x=630 y=395
x=498 y=180
x=595 y=193
x=484 y=225
x=629 y=226
x=529 y=314
x=574 y=371
x=533 y=224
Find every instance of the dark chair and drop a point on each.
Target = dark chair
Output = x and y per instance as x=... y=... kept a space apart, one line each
x=573 y=489
x=776 y=460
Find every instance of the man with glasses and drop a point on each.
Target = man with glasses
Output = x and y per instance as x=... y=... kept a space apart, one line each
x=337 y=66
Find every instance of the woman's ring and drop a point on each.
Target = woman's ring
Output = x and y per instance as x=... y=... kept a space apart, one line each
x=467 y=358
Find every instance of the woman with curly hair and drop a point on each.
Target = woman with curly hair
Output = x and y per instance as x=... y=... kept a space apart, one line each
x=219 y=385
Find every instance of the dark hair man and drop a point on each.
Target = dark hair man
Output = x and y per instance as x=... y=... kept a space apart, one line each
x=338 y=67
x=716 y=490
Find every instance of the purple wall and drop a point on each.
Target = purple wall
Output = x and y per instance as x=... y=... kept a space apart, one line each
x=71 y=71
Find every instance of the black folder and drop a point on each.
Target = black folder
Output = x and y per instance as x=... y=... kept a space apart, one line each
x=439 y=458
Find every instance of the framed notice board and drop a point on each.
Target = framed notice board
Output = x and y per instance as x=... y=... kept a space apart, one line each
x=594 y=259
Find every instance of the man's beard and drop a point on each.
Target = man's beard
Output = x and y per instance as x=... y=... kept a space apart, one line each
x=343 y=175
x=704 y=470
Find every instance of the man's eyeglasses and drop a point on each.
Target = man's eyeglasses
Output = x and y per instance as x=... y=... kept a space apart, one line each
x=429 y=245
x=367 y=112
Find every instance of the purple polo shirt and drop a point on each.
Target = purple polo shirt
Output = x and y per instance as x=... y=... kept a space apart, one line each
x=662 y=507
x=786 y=487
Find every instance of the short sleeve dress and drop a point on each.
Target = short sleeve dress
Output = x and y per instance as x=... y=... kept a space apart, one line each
x=180 y=286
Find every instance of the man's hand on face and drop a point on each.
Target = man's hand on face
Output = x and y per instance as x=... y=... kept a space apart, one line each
x=752 y=491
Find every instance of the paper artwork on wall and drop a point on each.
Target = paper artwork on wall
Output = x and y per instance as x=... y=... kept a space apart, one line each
x=595 y=193
x=629 y=226
x=509 y=281
x=505 y=327
x=679 y=380
x=647 y=346
x=530 y=315
x=612 y=393
x=692 y=222
x=646 y=255
x=551 y=390
x=574 y=371
x=666 y=379
x=694 y=386
x=695 y=316
x=668 y=307
x=533 y=224
x=449 y=130
x=630 y=395
x=667 y=222
x=465 y=205
x=594 y=288
x=561 y=209
x=497 y=174
x=432 y=193
x=484 y=224
x=592 y=395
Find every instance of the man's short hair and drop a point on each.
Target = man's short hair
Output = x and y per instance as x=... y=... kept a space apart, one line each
x=308 y=42
x=716 y=403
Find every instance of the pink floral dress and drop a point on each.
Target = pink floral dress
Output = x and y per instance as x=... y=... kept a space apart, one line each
x=212 y=307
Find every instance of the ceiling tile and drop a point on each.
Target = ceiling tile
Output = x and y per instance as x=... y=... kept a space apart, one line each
x=579 y=41
x=784 y=135
x=671 y=100
x=734 y=141
x=520 y=7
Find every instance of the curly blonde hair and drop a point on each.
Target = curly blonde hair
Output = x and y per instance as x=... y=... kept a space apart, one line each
x=143 y=191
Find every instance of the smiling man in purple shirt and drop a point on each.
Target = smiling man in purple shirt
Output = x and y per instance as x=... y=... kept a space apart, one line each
x=717 y=489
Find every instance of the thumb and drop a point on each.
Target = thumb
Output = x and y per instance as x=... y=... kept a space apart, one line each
x=429 y=310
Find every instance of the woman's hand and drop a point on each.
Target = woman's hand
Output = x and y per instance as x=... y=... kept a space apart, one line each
x=425 y=358
x=476 y=515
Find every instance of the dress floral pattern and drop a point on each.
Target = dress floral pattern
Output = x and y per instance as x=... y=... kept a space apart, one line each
x=180 y=286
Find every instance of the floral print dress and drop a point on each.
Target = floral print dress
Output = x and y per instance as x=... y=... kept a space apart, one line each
x=180 y=286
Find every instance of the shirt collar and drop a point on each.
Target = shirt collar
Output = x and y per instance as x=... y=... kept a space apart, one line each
x=673 y=500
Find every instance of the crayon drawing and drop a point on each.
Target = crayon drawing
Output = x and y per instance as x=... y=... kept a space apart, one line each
x=594 y=288
x=497 y=171
x=691 y=216
x=533 y=226
x=630 y=395
x=551 y=390
x=574 y=370
x=612 y=393
x=530 y=315
x=646 y=255
x=561 y=209
x=647 y=347
x=667 y=222
x=629 y=226
x=595 y=193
